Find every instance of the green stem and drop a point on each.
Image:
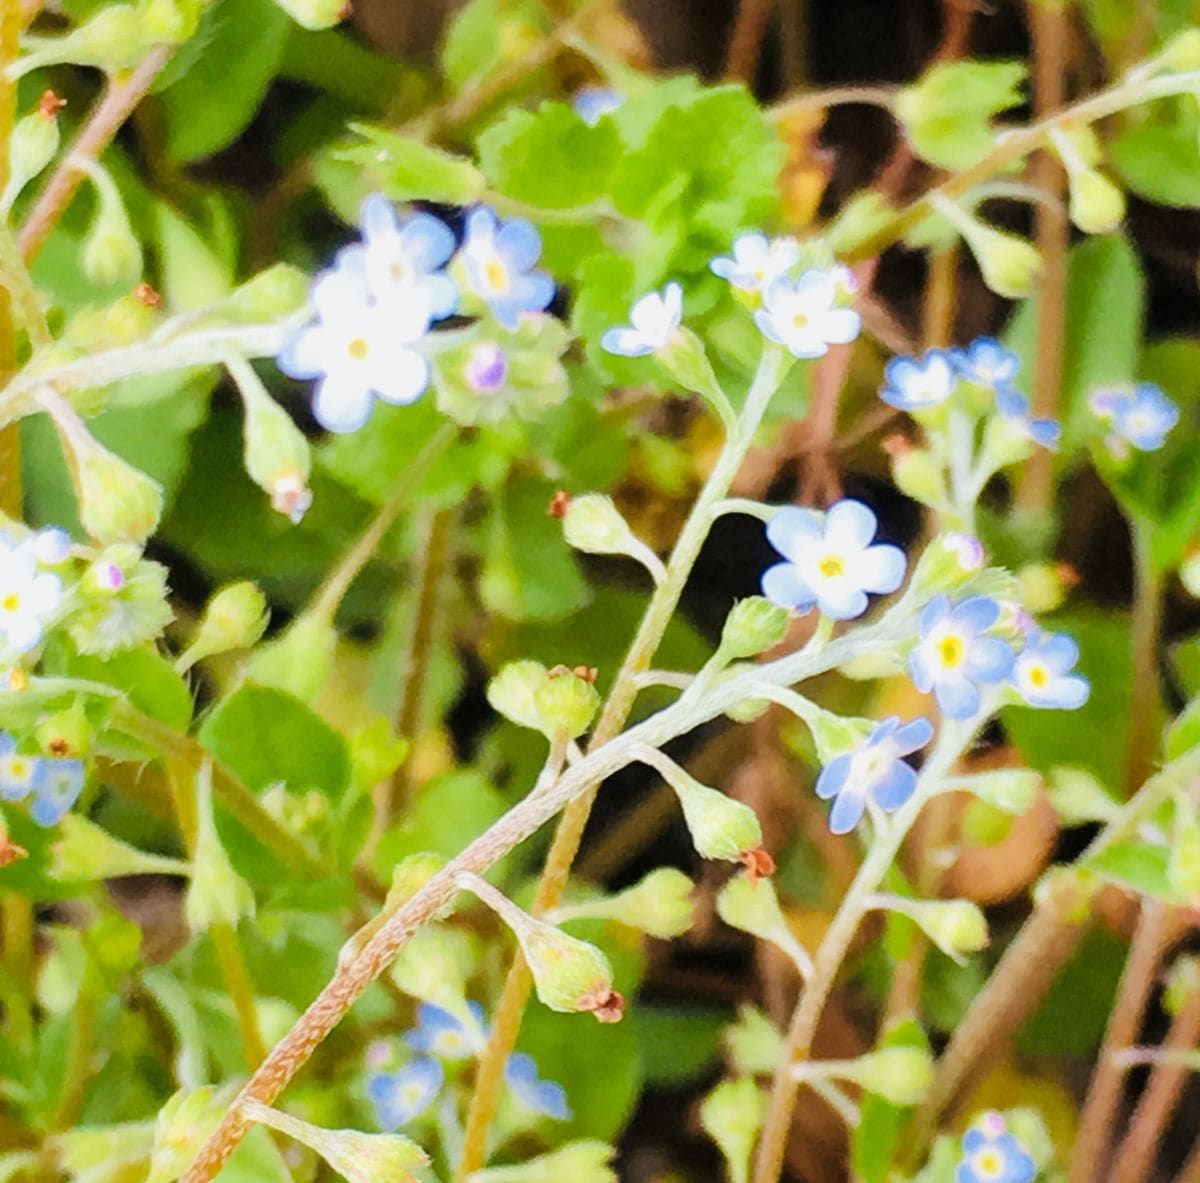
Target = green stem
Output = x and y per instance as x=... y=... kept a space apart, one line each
x=1146 y=717
x=237 y=979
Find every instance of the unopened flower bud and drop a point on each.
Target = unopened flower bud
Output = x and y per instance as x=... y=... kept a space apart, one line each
x=103 y=1153
x=833 y=735
x=919 y=476
x=434 y=966
x=1189 y=572
x=1009 y=264
x=316 y=14
x=113 y=39
x=1079 y=798
x=584 y=1161
x=1042 y=587
x=117 y=503
x=299 y=660
x=171 y=22
x=357 y=1157
x=946 y=564
x=754 y=1045
x=65 y=733
x=684 y=359
x=33 y=145
x=182 y=1126
x=513 y=692
x=122 y=602
x=566 y=704
x=84 y=852
x=236 y=617
x=753 y=626
x=1012 y=790
x=752 y=906
x=217 y=893
x=732 y=1115
x=594 y=525
x=1096 y=205
x=955 y=926
x=660 y=904
x=1182 y=983
x=900 y=1075
x=111 y=252
x=272 y=294
x=568 y=974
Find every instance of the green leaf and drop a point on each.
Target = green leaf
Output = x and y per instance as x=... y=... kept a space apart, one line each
x=947 y=113
x=877 y=1136
x=147 y=679
x=1139 y=866
x=485 y=35
x=549 y=158
x=1161 y=163
x=216 y=97
x=679 y=1044
x=268 y=737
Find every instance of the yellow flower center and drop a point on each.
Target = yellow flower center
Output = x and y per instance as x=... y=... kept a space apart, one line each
x=1038 y=676
x=800 y=320
x=831 y=566
x=11 y=602
x=357 y=348
x=989 y=1163
x=497 y=275
x=18 y=768
x=400 y=271
x=951 y=651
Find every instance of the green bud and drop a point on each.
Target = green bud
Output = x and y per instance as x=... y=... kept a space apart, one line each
x=434 y=966
x=1182 y=52
x=720 y=827
x=117 y=503
x=753 y=1044
x=834 y=735
x=316 y=14
x=753 y=626
x=1009 y=264
x=1012 y=790
x=1079 y=798
x=297 y=661
x=900 y=1075
x=126 y=320
x=860 y=219
x=357 y=1157
x=732 y=1115
x=114 y=39
x=235 y=618
x=183 y=1125
x=513 y=692
x=566 y=704
x=585 y=1161
x=1183 y=981
x=272 y=294
x=684 y=359
x=217 y=894
x=594 y=525
x=947 y=564
x=1189 y=573
x=121 y=602
x=919 y=476
x=103 y=1154
x=660 y=904
x=84 y=852
x=955 y=926
x=65 y=734
x=171 y=22
x=1043 y=587
x=749 y=709
x=985 y=825
x=111 y=252
x=33 y=144
x=749 y=903
x=568 y=974
x=1096 y=205
x=1183 y=863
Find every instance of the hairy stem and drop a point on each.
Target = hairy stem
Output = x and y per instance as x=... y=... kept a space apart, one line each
x=1146 y=718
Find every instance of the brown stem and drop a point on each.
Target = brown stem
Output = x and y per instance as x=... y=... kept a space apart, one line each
x=1145 y=718
x=1096 y=1123
x=1052 y=233
x=1135 y=1155
x=11 y=499
x=746 y=38
x=105 y=121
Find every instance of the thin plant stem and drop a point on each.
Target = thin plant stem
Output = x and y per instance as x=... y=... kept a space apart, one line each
x=746 y=38
x=120 y=98
x=1050 y=27
x=567 y=838
x=835 y=944
x=838 y=96
x=78 y=1072
x=1104 y=1092
x=1145 y=718
x=16 y=946
x=237 y=980
x=1135 y=1154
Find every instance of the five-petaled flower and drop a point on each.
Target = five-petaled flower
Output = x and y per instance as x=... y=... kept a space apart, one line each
x=54 y=784
x=986 y=363
x=993 y=1155
x=20 y=775
x=954 y=657
x=28 y=596
x=757 y=261
x=654 y=319
x=542 y=1096
x=1014 y=410
x=1143 y=417
x=1042 y=673
x=915 y=384
x=499 y=259
x=805 y=317
x=440 y=1033
x=874 y=771
x=402 y=1096
x=830 y=561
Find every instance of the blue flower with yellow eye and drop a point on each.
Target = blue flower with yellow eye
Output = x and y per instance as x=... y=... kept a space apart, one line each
x=542 y=1096
x=440 y=1033
x=986 y=363
x=992 y=1155
x=20 y=775
x=499 y=259
x=1042 y=673
x=954 y=656
x=57 y=790
x=1143 y=417
x=918 y=383
x=402 y=1096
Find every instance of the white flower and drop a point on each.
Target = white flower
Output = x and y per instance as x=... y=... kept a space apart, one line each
x=27 y=597
x=757 y=261
x=358 y=348
x=804 y=317
x=654 y=318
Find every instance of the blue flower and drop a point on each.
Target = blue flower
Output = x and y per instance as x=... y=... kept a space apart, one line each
x=29 y=597
x=915 y=384
x=1041 y=673
x=59 y=787
x=499 y=258
x=829 y=560
x=757 y=262
x=402 y=1096
x=359 y=347
x=804 y=315
x=953 y=656
x=542 y=1096
x=19 y=775
x=1014 y=407
x=654 y=318
x=440 y=1033
x=1142 y=417
x=873 y=770
x=592 y=103
x=986 y=363
x=992 y=1155
x=400 y=258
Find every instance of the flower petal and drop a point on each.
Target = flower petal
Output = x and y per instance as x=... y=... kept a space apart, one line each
x=341 y=403
x=913 y=736
x=895 y=787
x=783 y=584
x=880 y=569
x=847 y=811
x=849 y=525
x=832 y=778
x=989 y=659
x=792 y=531
x=977 y=614
x=958 y=697
x=405 y=378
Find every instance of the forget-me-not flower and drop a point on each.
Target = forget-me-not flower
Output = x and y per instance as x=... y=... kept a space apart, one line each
x=51 y=546
x=1042 y=673
x=440 y=1033
x=592 y=103
x=915 y=384
x=542 y=1096
x=804 y=316
x=757 y=261
x=830 y=561
x=359 y=348
x=986 y=363
x=499 y=259
x=875 y=770
x=20 y=775
x=992 y=1155
x=1143 y=416
x=28 y=596
x=399 y=257
x=652 y=321
x=402 y=1096
x=58 y=789
x=954 y=656
x=1014 y=409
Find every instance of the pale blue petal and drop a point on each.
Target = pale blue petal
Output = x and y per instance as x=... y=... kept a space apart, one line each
x=377 y=218
x=850 y=524
x=847 y=811
x=783 y=584
x=913 y=736
x=989 y=659
x=958 y=697
x=843 y=603
x=1059 y=651
x=895 y=786
x=791 y=530
x=884 y=730
x=766 y=326
x=303 y=354
x=340 y=405
x=977 y=614
x=881 y=568
x=832 y=778
x=920 y=672
x=519 y=244
x=626 y=342
x=933 y=614
x=427 y=241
